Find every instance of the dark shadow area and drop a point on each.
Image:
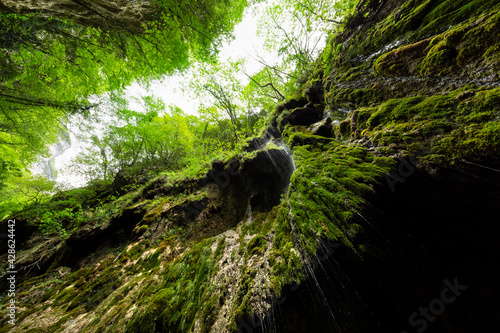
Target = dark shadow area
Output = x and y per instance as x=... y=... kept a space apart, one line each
x=82 y=244
x=258 y=181
x=431 y=251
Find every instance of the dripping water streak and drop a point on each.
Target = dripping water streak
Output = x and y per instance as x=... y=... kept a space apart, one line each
x=384 y=237
x=310 y=272
x=482 y=166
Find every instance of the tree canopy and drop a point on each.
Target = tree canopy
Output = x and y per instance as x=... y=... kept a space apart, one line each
x=60 y=62
x=53 y=60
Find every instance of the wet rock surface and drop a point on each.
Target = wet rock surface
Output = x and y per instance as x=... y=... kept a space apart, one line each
x=370 y=204
x=426 y=236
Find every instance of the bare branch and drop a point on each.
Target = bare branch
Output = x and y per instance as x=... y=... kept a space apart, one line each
x=270 y=84
x=318 y=15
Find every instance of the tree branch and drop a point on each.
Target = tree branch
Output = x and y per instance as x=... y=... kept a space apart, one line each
x=270 y=84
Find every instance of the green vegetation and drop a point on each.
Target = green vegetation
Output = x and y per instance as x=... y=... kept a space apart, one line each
x=470 y=43
x=440 y=129
x=326 y=191
x=414 y=20
x=51 y=66
x=172 y=232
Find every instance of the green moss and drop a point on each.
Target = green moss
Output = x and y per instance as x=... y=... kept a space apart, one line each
x=351 y=97
x=354 y=73
x=452 y=52
x=156 y=208
x=243 y=295
x=401 y=61
x=65 y=296
x=135 y=251
x=93 y=293
x=415 y=19
x=298 y=135
x=261 y=223
x=242 y=246
x=142 y=229
x=329 y=187
x=153 y=260
x=256 y=246
x=461 y=124
x=184 y=293
x=326 y=191
x=221 y=245
x=81 y=273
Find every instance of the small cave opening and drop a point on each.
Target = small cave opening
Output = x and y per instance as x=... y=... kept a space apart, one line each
x=267 y=177
x=83 y=247
x=259 y=182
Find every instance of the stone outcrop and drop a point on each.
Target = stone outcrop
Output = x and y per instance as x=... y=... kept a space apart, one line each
x=109 y=15
x=369 y=205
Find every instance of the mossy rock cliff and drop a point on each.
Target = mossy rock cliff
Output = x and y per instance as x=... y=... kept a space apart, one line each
x=375 y=189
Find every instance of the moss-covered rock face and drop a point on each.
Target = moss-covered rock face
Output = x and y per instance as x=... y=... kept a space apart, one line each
x=467 y=46
x=165 y=257
x=398 y=49
x=420 y=78
x=316 y=222
x=442 y=129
